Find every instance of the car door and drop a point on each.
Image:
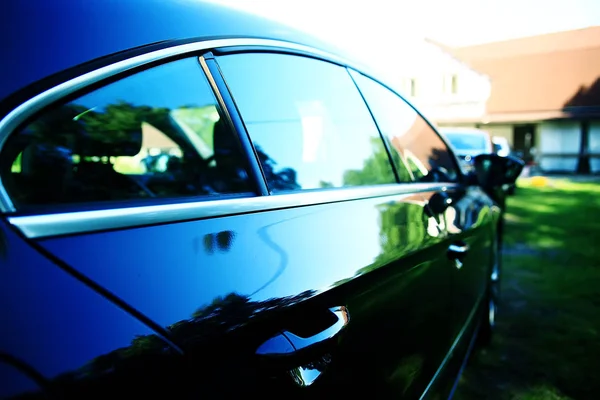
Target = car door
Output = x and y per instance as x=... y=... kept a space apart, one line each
x=399 y=331
x=462 y=214
x=268 y=240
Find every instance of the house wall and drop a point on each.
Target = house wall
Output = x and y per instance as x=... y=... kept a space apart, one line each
x=594 y=145
x=426 y=79
x=554 y=138
x=505 y=131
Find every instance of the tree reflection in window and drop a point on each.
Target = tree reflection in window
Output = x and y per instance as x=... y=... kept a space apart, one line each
x=126 y=141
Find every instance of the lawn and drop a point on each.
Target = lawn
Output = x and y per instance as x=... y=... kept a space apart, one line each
x=547 y=344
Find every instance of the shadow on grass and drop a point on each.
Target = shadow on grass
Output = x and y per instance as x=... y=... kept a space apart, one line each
x=547 y=344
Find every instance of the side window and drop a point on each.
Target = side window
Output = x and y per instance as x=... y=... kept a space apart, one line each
x=158 y=133
x=308 y=122
x=415 y=142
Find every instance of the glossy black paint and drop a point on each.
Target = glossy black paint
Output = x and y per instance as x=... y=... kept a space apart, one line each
x=196 y=279
x=224 y=286
x=493 y=173
x=493 y=170
x=57 y=332
x=212 y=307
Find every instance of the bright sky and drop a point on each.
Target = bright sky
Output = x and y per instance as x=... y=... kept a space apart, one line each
x=453 y=22
x=391 y=28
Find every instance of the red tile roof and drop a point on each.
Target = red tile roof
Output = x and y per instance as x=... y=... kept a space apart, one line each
x=540 y=73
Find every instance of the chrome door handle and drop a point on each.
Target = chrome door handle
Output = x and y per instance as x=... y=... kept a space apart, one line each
x=458 y=249
x=301 y=343
x=457 y=252
x=288 y=343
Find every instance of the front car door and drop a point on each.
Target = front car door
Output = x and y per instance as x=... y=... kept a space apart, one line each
x=305 y=115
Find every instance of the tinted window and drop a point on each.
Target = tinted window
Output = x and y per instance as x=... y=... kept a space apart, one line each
x=308 y=122
x=414 y=141
x=158 y=133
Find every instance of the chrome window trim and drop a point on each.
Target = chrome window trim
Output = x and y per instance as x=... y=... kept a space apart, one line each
x=25 y=110
x=48 y=225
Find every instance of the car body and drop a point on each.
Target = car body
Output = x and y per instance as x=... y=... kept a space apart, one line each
x=200 y=203
x=468 y=143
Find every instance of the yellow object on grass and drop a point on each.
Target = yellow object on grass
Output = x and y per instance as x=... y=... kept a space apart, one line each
x=539 y=181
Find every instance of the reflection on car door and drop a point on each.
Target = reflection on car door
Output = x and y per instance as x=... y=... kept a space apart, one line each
x=399 y=330
x=468 y=221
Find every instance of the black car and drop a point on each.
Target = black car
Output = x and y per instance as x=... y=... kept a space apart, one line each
x=198 y=203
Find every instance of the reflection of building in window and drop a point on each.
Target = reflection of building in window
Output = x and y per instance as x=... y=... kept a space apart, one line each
x=154 y=143
x=312 y=133
x=197 y=124
x=312 y=118
x=416 y=166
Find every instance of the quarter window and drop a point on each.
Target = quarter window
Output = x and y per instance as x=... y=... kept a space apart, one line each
x=413 y=139
x=309 y=124
x=156 y=134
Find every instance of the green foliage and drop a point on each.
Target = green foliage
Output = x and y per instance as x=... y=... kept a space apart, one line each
x=376 y=169
x=547 y=344
x=116 y=122
x=325 y=185
x=16 y=166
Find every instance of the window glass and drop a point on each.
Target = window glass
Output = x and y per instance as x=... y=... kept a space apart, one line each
x=467 y=142
x=308 y=122
x=415 y=142
x=155 y=134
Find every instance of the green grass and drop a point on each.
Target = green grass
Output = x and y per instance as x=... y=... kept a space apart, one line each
x=547 y=344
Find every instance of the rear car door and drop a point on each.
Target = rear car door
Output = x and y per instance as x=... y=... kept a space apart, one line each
x=269 y=239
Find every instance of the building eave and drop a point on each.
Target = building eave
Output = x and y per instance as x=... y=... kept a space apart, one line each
x=526 y=117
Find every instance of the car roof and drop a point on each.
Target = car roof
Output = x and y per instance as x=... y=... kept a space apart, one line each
x=47 y=37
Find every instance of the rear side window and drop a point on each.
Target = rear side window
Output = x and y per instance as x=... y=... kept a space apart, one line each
x=308 y=122
x=156 y=134
x=414 y=141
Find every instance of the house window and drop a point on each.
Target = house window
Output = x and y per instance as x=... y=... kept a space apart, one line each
x=413 y=87
x=454 y=84
x=450 y=84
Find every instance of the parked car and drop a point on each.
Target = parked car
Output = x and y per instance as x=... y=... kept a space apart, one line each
x=199 y=203
x=468 y=143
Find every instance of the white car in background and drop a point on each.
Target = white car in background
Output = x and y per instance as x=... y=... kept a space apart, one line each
x=468 y=143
